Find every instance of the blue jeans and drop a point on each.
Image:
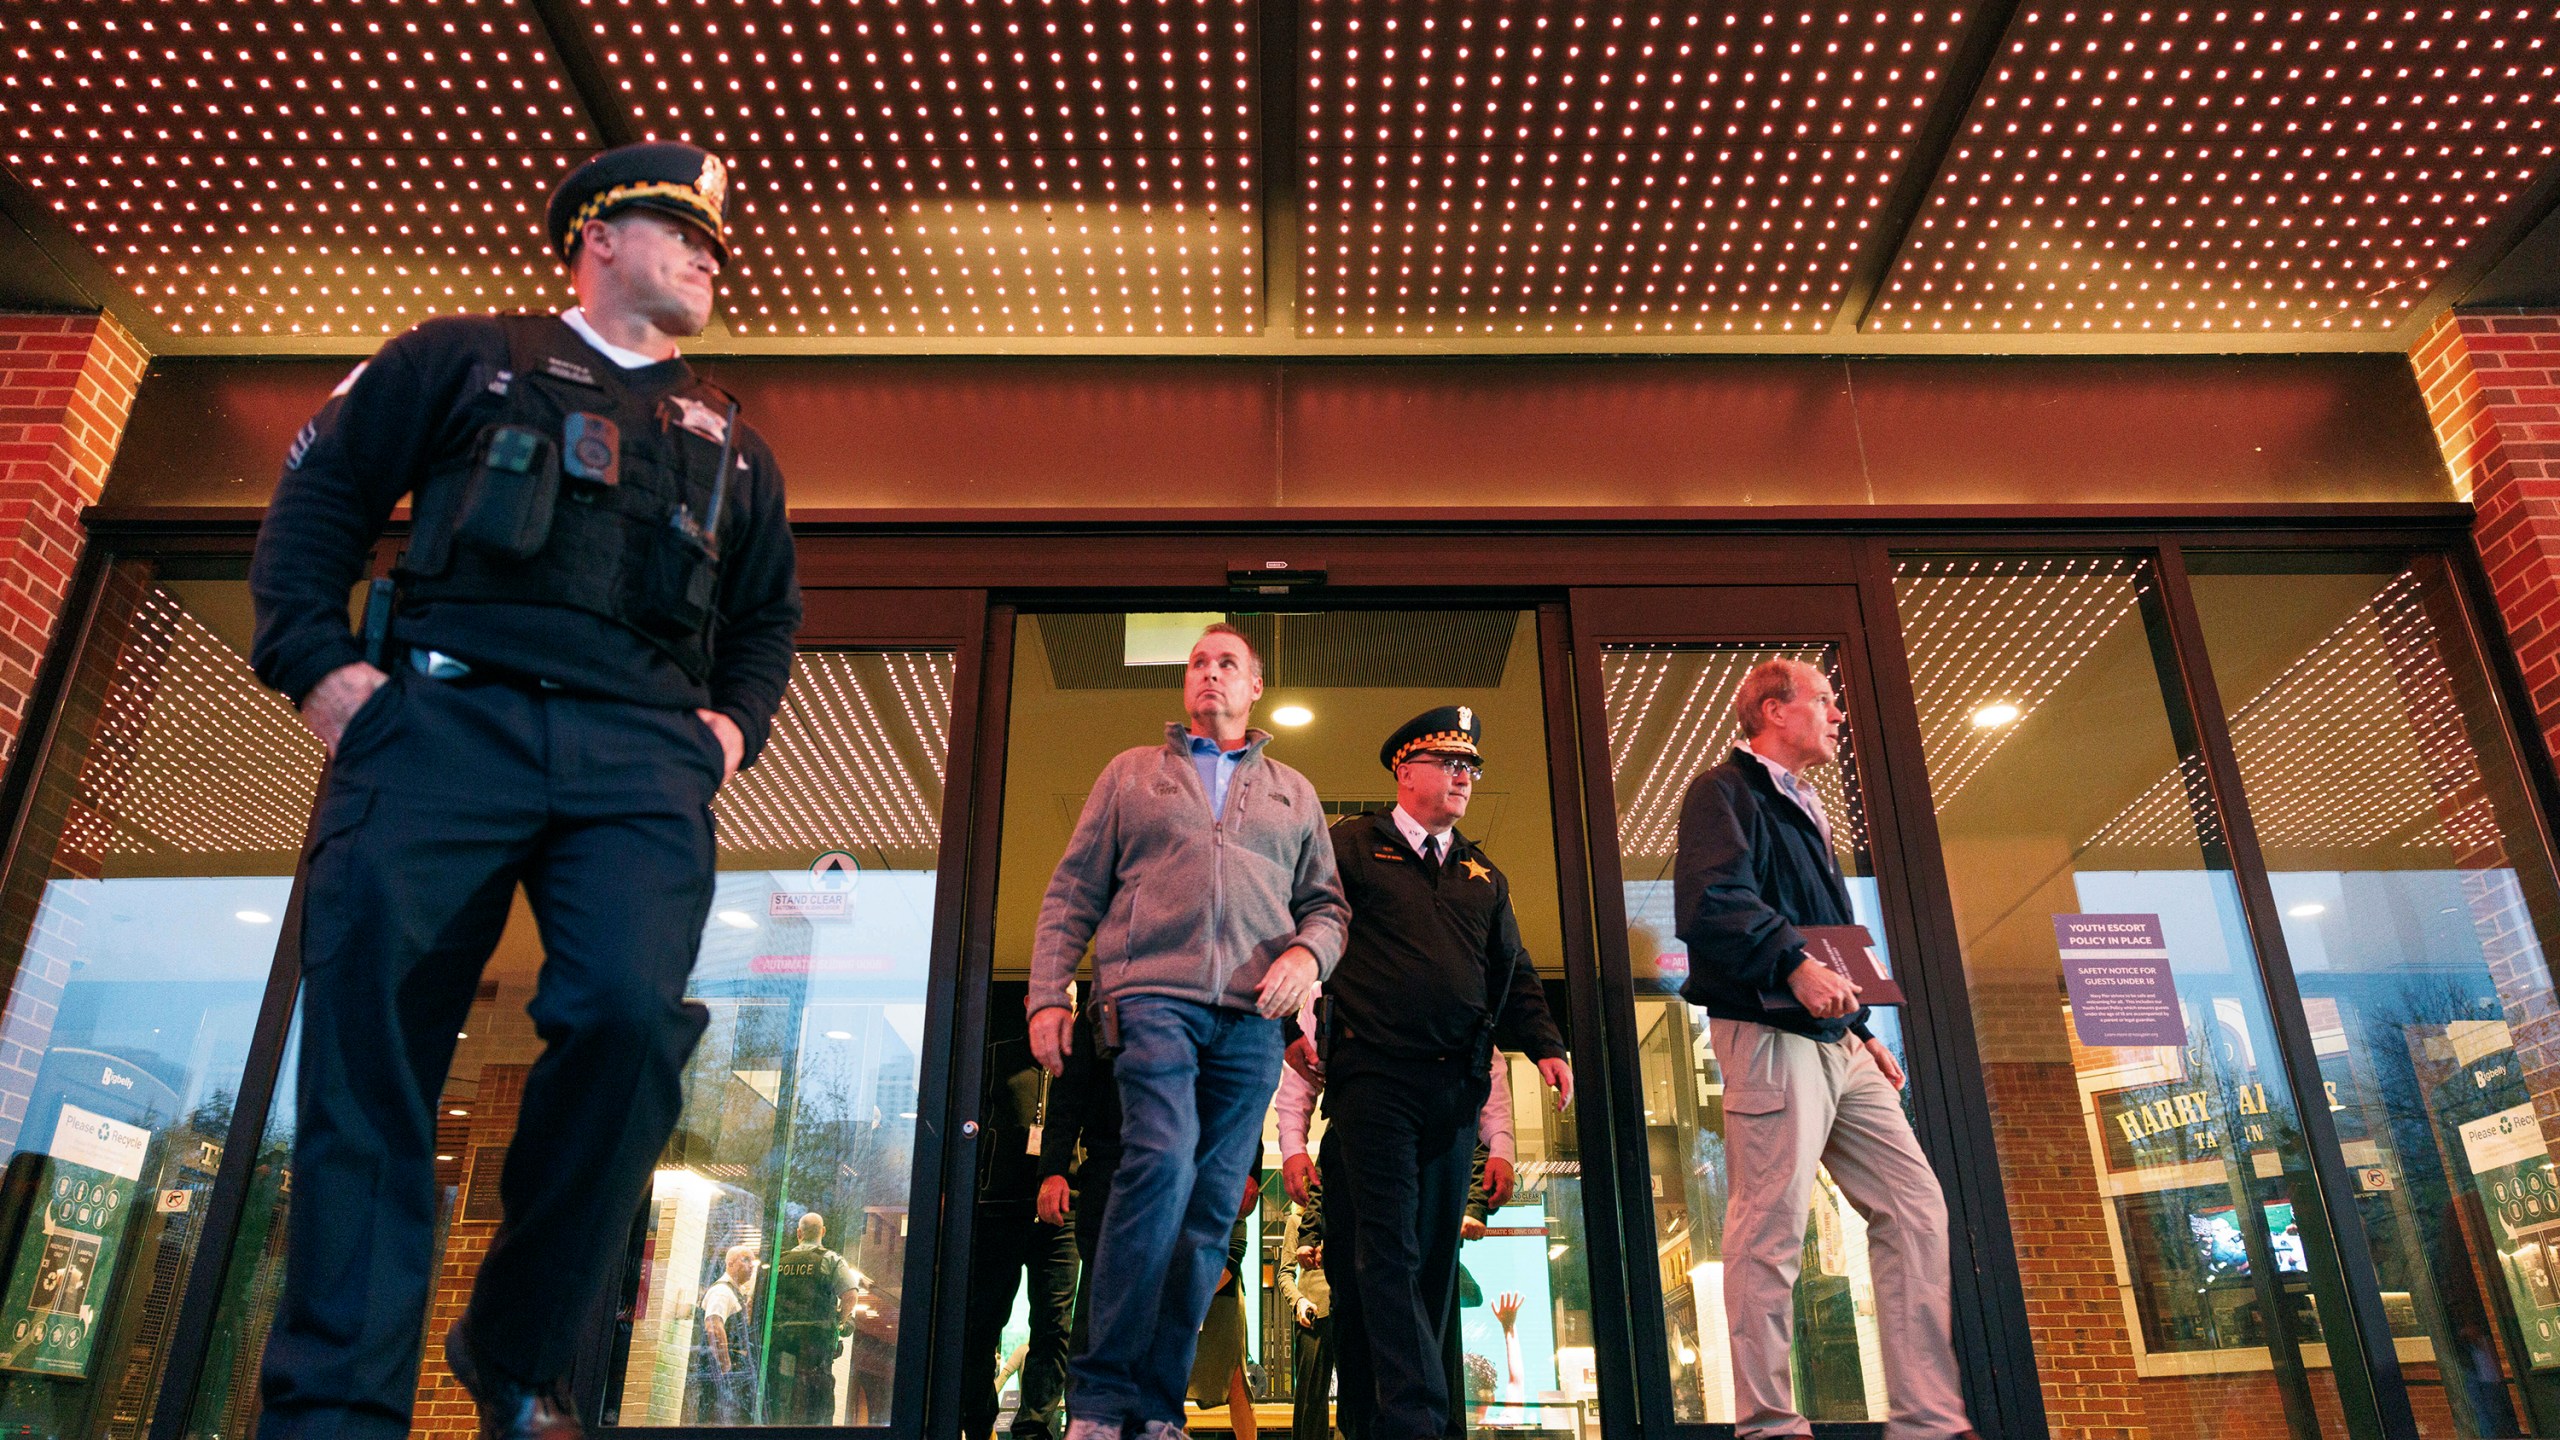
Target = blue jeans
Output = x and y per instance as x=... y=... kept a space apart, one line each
x=1194 y=1082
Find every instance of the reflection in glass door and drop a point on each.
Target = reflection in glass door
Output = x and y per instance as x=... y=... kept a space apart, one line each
x=795 y=1153
x=1669 y=713
x=2416 y=899
x=2171 y=1248
x=799 y=1120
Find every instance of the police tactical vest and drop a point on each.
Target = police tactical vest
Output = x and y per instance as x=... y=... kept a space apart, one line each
x=805 y=1288
x=574 y=491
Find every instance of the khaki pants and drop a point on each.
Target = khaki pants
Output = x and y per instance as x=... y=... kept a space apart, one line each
x=1790 y=1103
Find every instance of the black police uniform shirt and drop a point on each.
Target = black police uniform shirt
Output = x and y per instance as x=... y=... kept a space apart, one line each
x=386 y=430
x=1427 y=951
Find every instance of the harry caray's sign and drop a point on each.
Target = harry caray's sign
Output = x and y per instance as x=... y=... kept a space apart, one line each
x=2179 y=1124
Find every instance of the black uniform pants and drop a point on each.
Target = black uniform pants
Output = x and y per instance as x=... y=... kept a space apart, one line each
x=1398 y=1158
x=441 y=800
x=1093 y=1196
x=1010 y=1242
x=1311 y=1413
x=803 y=1386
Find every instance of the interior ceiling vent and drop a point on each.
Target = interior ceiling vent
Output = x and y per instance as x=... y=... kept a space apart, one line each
x=1443 y=649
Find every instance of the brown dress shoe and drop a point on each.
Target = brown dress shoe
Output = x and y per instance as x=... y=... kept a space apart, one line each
x=508 y=1410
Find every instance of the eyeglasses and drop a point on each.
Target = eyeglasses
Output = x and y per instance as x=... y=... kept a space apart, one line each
x=1454 y=764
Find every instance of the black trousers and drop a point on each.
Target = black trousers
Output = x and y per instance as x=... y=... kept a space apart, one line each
x=441 y=801
x=802 y=1389
x=1398 y=1157
x=1311 y=1413
x=1011 y=1242
x=1093 y=1195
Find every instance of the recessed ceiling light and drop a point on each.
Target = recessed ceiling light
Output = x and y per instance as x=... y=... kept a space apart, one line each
x=737 y=920
x=457 y=1113
x=839 y=1034
x=1995 y=714
x=252 y=917
x=1292 y=715
x=444 y=1157
x=2307 y=909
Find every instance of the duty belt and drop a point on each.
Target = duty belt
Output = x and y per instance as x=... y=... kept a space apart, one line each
x=452 y=670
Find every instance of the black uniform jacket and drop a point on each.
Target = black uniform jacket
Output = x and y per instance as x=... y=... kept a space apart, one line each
x=1751 y=868
x=1428 y=962
x=385 y=430
x=1084 y=1106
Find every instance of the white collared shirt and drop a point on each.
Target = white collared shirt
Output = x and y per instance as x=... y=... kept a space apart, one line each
x=576 y=319
x=1413 y=833
x=1796 y=789
x=1295 y=1105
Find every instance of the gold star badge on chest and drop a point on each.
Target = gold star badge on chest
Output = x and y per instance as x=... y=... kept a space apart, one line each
x=1478 y=872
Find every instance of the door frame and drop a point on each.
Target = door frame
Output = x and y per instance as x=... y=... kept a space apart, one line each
x=1784 y=616
x=1135 y=559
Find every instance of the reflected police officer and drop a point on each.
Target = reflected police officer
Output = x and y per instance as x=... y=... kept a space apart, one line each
x=586 y=636
x=1432 y=977
x=814 y=1294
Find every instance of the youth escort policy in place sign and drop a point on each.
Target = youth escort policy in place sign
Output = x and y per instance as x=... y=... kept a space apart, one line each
x=2116 y=968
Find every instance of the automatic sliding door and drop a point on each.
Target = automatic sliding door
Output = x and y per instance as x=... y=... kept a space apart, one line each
x=1658 y=670
x=1086 y=686
x=833 y=928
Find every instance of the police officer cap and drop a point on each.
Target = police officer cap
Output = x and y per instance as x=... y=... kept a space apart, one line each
x=1449 y=730
x=667 y=176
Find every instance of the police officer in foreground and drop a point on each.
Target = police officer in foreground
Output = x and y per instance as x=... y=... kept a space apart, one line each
x=587 y=635
x=1432 y=978
x=814 y=1292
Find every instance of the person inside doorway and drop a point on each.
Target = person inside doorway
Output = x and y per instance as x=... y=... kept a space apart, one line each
x=814 y=1293
x=727 y=1392
x=1201 y=875
x=1805 y=1083
x=1014 y=1242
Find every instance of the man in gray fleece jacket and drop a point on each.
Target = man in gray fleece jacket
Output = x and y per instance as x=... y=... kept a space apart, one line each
x=1203 y=876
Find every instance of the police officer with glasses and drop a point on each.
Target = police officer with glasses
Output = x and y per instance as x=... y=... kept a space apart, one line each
x=585 y=638
x=1432 y=977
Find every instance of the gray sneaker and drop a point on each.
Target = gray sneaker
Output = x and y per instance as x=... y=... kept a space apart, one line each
x=1092 y=1430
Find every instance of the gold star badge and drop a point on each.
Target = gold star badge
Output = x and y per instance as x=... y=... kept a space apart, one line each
x=1478 y=872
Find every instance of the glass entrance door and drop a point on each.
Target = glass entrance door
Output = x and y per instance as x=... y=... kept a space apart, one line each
x=1087 y=685
x=1657 y=672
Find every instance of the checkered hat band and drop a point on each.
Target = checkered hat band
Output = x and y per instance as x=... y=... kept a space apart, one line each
x=687 y=195
x=1452 y=741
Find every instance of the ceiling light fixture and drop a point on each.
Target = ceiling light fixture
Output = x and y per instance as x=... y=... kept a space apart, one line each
x=1995 y=715
x=1292 y=715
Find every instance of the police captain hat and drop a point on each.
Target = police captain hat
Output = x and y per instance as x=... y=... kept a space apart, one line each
x=1449 y=730
x=668 y=176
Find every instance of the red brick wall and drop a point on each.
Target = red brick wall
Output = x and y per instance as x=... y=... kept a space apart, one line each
x=2492 y=382
x=444 y=1407
x=66 y=385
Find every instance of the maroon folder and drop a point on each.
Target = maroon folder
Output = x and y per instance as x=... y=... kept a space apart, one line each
x=1851 y=953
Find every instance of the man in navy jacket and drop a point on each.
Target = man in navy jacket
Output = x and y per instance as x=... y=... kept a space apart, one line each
x=1804 y=1084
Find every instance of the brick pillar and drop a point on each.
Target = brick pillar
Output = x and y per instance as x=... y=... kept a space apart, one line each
x=2492 y=383
x=444 y=1407
x=66 y=385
